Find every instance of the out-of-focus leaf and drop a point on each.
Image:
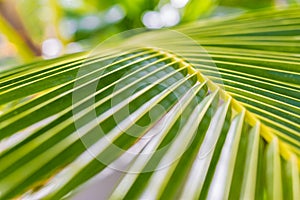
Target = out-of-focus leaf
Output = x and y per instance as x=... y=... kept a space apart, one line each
x=195 y=8
x=248 y=4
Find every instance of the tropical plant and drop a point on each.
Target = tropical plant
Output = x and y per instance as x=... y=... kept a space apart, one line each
x=215 y=121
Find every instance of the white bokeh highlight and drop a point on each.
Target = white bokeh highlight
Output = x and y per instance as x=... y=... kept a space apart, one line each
x=179 y=3
x=167 y=16
x=51 y=48
x=152 y=20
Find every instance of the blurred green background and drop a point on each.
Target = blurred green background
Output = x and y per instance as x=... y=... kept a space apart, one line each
x=51 y=28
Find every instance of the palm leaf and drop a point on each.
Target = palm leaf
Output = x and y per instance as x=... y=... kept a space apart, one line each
x=217 y=122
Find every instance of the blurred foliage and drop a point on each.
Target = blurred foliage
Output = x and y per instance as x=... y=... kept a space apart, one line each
x=80 y=24
x=196 y=8
x=253 y=4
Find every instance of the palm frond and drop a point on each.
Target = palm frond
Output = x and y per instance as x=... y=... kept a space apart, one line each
x=217 y=122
